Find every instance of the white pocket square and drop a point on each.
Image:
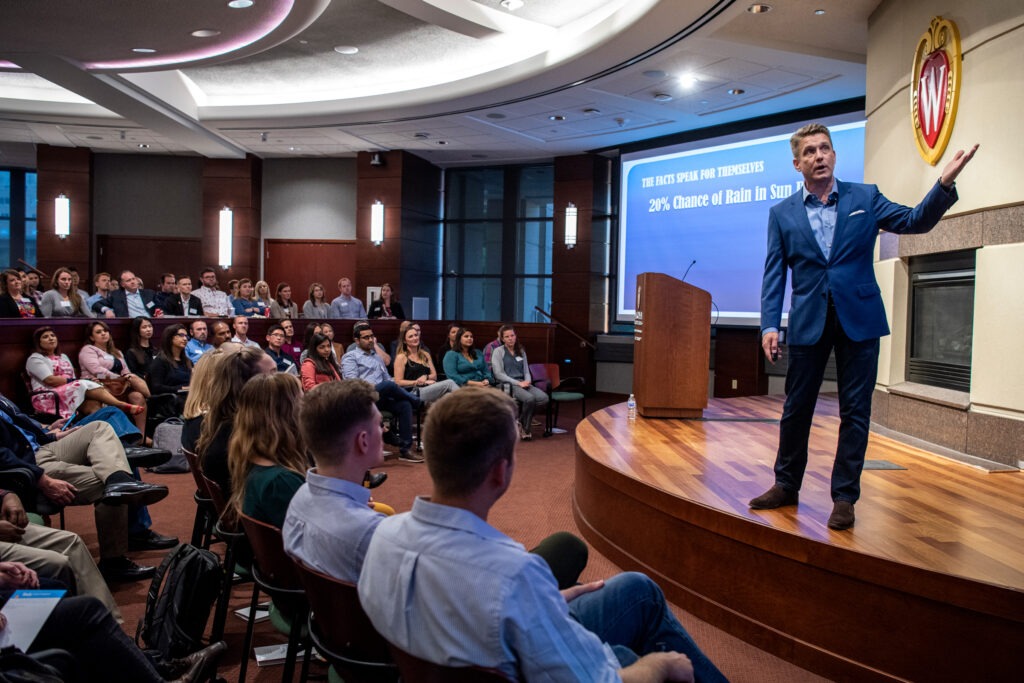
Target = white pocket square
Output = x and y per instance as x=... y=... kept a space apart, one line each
x=858 y=211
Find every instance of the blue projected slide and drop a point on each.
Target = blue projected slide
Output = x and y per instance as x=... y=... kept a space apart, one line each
x=711 y=205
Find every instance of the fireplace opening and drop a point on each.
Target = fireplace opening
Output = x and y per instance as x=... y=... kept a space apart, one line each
x=941 y=319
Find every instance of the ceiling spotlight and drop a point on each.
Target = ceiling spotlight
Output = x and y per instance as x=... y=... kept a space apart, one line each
x=421 y=136
x=556 y=117
x=263 y=137
x=143 y=50
x=590 y=111
x=346 y=49
x=442 y=142
x=143 y=145
x=688 y=80
x=819 y=12
x=240 y=4
x=294 y=149
x=376 y=159
x=205 y=33
x=662 y=97
x=736 y=91
x=759 y=8
x=495 y=115
x=512 y=5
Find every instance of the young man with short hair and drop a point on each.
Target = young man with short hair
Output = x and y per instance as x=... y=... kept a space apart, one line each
x=240 y=325
x=275 y=349
x=345 y=305
x=215 y=302
x=197 y=345
x=183 y=303
x=442 y=584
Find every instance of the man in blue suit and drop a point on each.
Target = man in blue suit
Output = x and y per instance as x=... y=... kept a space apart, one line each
x=128 y=301
x=825 y=233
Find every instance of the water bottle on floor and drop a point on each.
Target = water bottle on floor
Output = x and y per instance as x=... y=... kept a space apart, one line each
x=631 y=408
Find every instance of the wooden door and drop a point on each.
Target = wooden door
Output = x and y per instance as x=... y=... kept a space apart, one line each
x=300 y=263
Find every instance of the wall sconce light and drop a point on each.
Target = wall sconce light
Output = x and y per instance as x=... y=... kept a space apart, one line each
x=226 y=238
x=62 y=216
x=570 y=226
x=377 y=222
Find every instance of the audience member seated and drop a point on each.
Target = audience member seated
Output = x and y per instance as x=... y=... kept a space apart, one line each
x=489 y=349
x=337 y=348
x=364 y=362
x=129 y=300
x=13 y=302
x=465 y=365
x=215 y=302
x=450 y=342
x=245 y=303
x=197 y=345
x=52 y=553
x=266 y=454
x=220 y=332
x=240 y=327
x=56 y=391
x=275 y=349
x=82 y=466
x=386 y=307
x=282 y=306
x=63 y=300
x=141 y=350
x=171 y=372
x=513 y=617
x=100 y=360
x=263 y=297
x=345 y=305
x=232 y=290
x=312 y=328
x=319 y=366
x=30 y=284
x=210 y=432
x=102 y=652
x=403 y=326
x=509 y=365
x=102 y=284
x=414 y=368
x=183 y=303
x=291 y=346
x=317 y=307
x=166 y=291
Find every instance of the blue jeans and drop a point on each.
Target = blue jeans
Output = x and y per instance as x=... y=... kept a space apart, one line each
x=396 y=400
x=630 y=614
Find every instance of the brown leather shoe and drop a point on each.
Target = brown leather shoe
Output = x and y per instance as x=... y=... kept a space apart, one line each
x=842 y=515
x=775 y=497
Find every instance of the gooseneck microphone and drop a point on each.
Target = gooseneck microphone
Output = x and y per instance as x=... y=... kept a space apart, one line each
x=683 y=279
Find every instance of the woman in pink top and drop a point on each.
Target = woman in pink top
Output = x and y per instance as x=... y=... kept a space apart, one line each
x=100 y=360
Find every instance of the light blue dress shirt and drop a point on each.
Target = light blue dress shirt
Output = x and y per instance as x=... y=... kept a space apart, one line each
x=823 y=217
x=442 y=584
x=348 y=307
x=329 y=524
x=136 y=307
x=365 y=365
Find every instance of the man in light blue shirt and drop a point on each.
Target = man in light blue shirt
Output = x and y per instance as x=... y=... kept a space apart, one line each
x=363 y=363
x=346 y=305
x=197 y=346
x=442 y=584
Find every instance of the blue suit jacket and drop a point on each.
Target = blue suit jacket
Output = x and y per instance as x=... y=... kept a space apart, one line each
x=849 y=273
x=118 y=302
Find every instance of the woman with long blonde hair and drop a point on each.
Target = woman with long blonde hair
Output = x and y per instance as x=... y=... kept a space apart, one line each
x=267 y=455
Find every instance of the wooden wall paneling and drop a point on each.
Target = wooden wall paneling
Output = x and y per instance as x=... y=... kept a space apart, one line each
x=303 y=262
x=148 y=257
x=738 y=358
x=64 y=170
x=235 y=183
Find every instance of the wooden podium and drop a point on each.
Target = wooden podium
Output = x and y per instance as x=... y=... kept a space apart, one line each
x=672 y=347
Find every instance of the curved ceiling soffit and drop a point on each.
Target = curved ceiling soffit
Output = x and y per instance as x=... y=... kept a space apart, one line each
x=399 y=110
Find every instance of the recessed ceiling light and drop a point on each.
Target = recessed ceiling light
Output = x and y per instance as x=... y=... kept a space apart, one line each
x=143 y=50
x=662 y=97
x=93 y=137
x=240 y=4
x=442 y=142
x=759 y=8
x=590 y=111
x=294 y=149
x=556 y=117
x=143 y=145
x=654 y=73
x=495 y=115
x=688 y=80
x=819 y=12
x=263 y=137
x=346 y=49
x=512 y=5
x=736 y=91
x=205 y=33
x=421 y=136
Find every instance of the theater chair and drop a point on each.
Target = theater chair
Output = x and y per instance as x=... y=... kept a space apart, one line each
x=416 y=670
x=546 y=378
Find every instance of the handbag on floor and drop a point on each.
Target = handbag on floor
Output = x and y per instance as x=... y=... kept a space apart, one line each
x=167 y=436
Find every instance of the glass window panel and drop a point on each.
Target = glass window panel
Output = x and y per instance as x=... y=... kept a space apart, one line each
x=30 y=240
x=533 y=247
x=481 y=298
x=5 y=243
x=473 y=248
x=536 y=192
x=475 y=193
x=530 y=292
x=30 y=199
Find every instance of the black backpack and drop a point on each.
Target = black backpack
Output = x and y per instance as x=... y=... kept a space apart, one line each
x=180 y=599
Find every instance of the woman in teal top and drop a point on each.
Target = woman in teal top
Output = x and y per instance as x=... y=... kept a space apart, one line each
x=266 y=451
x=466 y=365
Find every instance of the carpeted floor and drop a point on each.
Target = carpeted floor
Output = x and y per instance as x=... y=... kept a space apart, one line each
x=537 y=504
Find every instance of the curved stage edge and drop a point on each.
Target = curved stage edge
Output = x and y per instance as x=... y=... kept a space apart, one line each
x=896 y=598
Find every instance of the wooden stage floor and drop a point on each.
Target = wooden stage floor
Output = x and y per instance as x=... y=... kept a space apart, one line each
x=927 y=584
